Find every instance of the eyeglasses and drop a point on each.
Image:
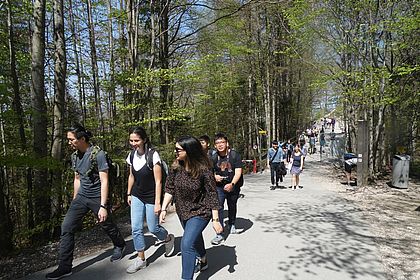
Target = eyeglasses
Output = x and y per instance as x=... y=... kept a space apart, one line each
x=177 y=150
x=220 y=142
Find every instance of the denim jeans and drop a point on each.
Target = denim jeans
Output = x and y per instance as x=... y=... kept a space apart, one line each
x=79 y=207
x=192 y=244
x=232 y=200
x=138 y=210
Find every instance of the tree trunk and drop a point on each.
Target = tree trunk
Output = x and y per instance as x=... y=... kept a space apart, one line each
x=75 y=40
x=41 y=199
x=6 y=226
x=60 y=72
x=95 y=75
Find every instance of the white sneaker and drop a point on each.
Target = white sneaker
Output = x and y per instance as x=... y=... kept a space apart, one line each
x=217 y=240
x=136 y=265
x=233 y=229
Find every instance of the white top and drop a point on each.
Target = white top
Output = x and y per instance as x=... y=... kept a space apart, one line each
x=140 y=160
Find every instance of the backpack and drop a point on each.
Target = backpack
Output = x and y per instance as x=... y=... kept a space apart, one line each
x=113 y=168
x=149 y=164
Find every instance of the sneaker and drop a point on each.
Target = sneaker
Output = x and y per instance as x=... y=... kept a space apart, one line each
x=233 y=229
x=170 y=245
x=136 y=265
x=272 y=188
x=117 y=254
x=217 y=240
x=200 y=266
x=58 y=273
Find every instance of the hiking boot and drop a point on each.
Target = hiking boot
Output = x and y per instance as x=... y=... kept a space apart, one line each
x=217 y=240
x=233 y=229
x=200 y=266
x=170 y=245
x=136 y=265
x=59 y=273
x=117 y=254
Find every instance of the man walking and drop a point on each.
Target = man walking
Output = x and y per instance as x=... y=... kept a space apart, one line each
x=227 y=166
x=90 y=193
x=275 y=159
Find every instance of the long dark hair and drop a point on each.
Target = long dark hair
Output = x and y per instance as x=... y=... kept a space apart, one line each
x=141 y=132
x=79 y=132
x=197 y=159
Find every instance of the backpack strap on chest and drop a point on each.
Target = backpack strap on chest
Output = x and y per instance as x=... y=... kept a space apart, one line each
x=93 y=160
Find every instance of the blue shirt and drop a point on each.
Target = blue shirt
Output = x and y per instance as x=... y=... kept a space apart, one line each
x=279 y=156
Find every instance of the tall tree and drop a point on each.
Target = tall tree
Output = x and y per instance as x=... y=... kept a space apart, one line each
x=41 y=189
x=60 y=70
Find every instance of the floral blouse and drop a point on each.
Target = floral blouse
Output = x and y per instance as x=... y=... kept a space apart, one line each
x=193 y=197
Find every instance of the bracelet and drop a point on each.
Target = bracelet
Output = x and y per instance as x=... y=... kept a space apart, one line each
x=163 y=210
x=103 y=206
x=215 y=220
x=129 y=194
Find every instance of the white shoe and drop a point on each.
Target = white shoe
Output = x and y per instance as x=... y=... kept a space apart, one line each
x=136 y=265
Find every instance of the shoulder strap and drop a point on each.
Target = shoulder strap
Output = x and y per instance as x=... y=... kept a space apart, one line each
x=149 y=158
x=132 y=153
x=275 y=154
x=93 y=159
x=73 y=161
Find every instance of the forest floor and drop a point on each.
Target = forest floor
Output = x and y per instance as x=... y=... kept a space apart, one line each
x=394 y=215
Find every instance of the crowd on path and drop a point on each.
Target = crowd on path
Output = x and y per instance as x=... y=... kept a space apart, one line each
x=200 y=180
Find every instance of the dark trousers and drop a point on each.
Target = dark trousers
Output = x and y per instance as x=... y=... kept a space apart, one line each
x=275 y=172
x=79 y=207
x=232 y=201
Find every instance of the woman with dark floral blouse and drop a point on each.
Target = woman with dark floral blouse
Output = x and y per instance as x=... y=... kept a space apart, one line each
x=191 y=183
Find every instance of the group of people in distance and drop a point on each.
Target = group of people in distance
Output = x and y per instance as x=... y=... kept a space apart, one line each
x=279 y=156
x=199 y=180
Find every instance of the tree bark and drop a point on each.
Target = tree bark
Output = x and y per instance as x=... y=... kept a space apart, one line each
x=60 y=73
x=42 y=204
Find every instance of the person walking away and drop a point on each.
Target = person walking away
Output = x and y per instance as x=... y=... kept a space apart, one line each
x=304 y=150
x=191 y=183
x=90 y=193
x=227 y=167
x=297 y=166
x=321 y=141
x=289 y=150
x=144 y=193
x=275 y=158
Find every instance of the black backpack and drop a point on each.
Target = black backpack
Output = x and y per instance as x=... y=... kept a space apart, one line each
x=149 y=164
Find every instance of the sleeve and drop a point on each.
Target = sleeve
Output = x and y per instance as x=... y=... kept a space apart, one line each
x=170 y=183
x=237 y=161
x=210 y=186
x=128 y=159
x=101 y=160
x=156 y=158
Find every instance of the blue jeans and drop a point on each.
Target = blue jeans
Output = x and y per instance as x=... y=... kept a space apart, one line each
x=138 y=210
x=232 y=201
x=192 y=244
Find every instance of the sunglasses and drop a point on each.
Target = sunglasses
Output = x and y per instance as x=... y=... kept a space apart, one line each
x=177 y=150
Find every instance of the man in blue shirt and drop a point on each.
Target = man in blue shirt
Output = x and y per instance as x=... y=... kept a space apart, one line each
x=275 y=159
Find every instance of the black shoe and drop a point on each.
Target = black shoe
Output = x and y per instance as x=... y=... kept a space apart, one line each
x=300 y=187
x=58 y=273
x=117 y=254
x=200 y=266
x=272 y=188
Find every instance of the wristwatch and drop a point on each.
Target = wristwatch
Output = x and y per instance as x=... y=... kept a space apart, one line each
x=233 y=184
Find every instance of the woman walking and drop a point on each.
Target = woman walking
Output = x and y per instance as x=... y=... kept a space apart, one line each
x=191 y=182
x=297 y=166
x=144 y=196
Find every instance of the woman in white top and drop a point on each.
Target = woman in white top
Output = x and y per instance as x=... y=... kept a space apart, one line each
x=144 y=195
